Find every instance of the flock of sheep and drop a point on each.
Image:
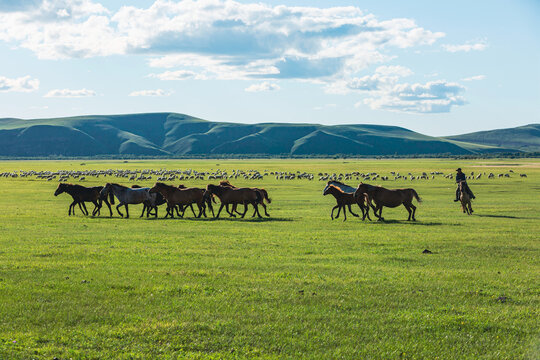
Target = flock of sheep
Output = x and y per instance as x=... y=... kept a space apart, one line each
x=251 y=174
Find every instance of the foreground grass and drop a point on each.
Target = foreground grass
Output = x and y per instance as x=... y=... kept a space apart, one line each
x=297 y=285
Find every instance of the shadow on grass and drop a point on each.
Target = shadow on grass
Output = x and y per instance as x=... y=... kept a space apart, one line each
x=499 y=216
x=418 y=223
x=250 y=219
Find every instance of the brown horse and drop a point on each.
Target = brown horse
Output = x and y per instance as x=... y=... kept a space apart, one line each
x=228 y=195
x=347 y=199
x=390 y=198
x=465 y=199
x=82 y=194
x=181 y=197
x=264 y=193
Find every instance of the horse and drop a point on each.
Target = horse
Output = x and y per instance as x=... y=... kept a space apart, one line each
x=158 y=199
x=264 y=193
x=229 y=195
x=345 y=198
x=82 y=194
x=182 y=197
x=390 y=198
x=126 y=196
x=465 y=199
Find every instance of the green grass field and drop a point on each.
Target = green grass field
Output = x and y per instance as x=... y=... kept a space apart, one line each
x=296 y=285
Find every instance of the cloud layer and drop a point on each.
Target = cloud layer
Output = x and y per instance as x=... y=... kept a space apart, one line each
x=22 y=84
x=229 y=40
x=69 y=93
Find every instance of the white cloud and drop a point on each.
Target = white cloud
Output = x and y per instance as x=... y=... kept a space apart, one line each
x=220 y=38
x=178 y=75
x=68 y=93
x=157 y=92
x=21 y=84
x=474 y=78
x=432 y=97
x=264 y=86
x=478 y=46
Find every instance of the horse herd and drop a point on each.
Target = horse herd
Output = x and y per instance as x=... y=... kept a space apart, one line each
x=179 y=198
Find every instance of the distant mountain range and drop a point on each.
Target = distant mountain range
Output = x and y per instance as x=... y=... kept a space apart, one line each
x=171 y=134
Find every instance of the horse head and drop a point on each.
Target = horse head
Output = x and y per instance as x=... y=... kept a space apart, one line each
x=60 y=189
x=105 y=191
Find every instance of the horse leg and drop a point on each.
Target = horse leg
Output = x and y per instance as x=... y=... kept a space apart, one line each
x=72 y=206
x=264 y=207
x=96 y=207
x=118 y=209
x=257 y=210
x=143 y=209
x=338 y=211
x=127 y=211
x=413 y=212
x=245 y=210
x=409 y=210
x=109 y=206
x=470 y=208
x=83 y=208
x=219 y=211
x=193 y=211
x=332 y=213
x=201 y=209
x=344 y=213
x=380 y=213
x=350 y=210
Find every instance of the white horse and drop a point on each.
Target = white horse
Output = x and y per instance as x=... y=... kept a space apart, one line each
x=127 y=196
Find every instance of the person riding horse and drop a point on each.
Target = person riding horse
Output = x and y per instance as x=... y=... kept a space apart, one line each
x=461 y=177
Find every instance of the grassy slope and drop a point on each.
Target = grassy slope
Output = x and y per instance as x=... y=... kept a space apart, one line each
x=525 y=138
x=295 y=286
x=168 y=133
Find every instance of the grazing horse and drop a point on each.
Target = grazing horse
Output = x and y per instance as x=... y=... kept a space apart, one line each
x=126 y=196
x=390 y=198
x=181 y=197
x=345 y=198
x=229 y=195
x=465 y=199
x=264 y=193
x=80 y=195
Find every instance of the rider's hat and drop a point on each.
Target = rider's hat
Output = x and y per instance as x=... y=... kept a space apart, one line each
x=458 y=169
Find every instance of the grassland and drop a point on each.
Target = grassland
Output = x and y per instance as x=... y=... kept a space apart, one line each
x=297 y=285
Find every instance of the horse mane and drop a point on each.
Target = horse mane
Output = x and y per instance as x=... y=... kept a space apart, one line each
x=336 y=182
x=225 y=183
x=338 y=189
x=182 y=186
x=122 y=186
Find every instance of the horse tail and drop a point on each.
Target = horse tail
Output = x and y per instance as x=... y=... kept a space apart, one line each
x=265 y=194
x=415 y=194
x=111 y=198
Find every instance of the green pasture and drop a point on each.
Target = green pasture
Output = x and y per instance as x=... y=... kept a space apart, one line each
x=296 y=285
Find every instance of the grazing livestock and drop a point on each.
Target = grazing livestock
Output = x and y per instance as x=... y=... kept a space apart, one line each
x=232 y=196
x=347 y=199
x=390 y=198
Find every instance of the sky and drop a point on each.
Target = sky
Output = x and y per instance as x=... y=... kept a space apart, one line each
x=439 y=68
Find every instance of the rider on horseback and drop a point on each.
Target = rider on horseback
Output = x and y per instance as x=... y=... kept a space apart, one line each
x=461 y=177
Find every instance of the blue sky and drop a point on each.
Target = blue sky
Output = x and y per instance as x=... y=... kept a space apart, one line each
x=439 y=68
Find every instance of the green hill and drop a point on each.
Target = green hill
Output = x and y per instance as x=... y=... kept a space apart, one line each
x=170 y=134
x=524 y=138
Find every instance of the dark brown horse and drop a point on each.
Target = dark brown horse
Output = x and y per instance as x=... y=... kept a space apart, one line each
x=264 y=193
x=465 y=199
x=181 y=197
x=389 y=198
x=82 y=194
x=347 y=199
x=228 y=195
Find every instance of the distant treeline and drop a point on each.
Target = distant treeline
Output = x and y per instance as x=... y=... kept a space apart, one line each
x=509 y=155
